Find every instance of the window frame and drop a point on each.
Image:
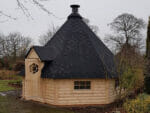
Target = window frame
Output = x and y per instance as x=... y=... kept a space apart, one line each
x=34 y=68
x=82 y=85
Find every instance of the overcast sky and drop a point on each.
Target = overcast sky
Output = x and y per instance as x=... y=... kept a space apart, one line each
x=99 y=12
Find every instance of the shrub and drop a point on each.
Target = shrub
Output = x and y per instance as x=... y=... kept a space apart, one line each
x=130 y=81
x=139 y=105
x=16 y=83
x=8 y=74
x=19 y=66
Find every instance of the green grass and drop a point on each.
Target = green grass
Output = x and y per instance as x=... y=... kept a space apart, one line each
x=4 y=85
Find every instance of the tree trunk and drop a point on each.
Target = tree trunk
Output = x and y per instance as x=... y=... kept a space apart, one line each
x=147 y=64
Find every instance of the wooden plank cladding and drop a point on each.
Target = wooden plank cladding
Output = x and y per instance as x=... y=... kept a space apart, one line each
x=62 y=91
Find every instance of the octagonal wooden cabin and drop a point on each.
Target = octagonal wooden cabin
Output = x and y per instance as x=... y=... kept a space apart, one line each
x=73 y=68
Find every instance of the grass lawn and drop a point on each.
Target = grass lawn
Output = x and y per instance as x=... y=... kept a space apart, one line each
x=4 y=85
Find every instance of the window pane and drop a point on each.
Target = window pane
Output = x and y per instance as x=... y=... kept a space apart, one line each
x=88 y=83
x=76 y=87
x=76 y=83
x=88 y=87
x=82 y=87
x=82 y=83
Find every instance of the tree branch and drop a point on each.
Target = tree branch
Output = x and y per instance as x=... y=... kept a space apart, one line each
x=6 y=15
x=21 y=5
x=23 y=8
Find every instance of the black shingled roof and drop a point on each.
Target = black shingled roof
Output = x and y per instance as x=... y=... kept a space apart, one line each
x=76 y=52
x=46 y=53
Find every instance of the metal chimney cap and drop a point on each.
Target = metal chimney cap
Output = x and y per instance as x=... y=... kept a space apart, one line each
x=74 y=8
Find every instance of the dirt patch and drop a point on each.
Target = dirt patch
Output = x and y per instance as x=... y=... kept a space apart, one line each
x=11 y=102
x=16 y=84
x=111 y=108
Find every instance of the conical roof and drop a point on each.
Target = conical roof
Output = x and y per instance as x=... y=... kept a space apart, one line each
x=76 y=52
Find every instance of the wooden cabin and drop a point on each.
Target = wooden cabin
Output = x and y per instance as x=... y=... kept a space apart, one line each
x=73 y=68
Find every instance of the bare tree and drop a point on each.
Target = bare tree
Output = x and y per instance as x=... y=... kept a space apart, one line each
x=7 y=16
x=13 y=40
x=147 y=60
x=13 y=48
x=14 y=45
x=127 y=30
x=43 y=39
x=148 y=41
x=18 y=44
x=25 y=44
x=4 y=46
x=127 y=40
x=37 y=3
x=23 y=6
x=2 y=42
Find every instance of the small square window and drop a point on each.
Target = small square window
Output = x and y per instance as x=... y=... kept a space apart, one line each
x=82 y=84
